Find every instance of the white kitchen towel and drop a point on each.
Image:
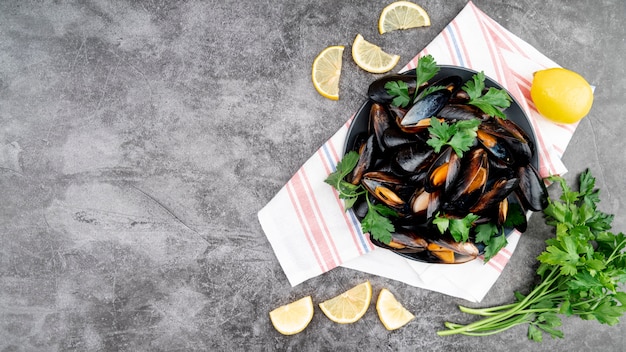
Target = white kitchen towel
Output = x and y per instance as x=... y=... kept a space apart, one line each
x=311 y=233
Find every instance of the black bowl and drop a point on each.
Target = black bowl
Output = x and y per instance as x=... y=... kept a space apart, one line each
x=514 y=113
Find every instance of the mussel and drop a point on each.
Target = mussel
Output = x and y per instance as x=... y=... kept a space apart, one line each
x=386 y=188
x=427 y=106
x=366 y=159
x=447 y=251
x=378 y=93
x=532 y=191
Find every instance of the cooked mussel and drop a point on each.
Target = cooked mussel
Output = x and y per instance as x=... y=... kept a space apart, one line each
x=532 y=191
x=413 y=158
x=456 y=112
x=443 y=171
x=470 y=183
x=366 y=159
x=407 y=242
x=448 y=251
x=385 y=187
x=496 y=192
x=378 y=93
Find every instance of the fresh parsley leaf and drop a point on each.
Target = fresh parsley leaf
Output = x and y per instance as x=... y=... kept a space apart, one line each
x=426 y=69
x=475 y=86
x=460 y=135
x=375 y=222
x=485 y=231
x=494 y=245
x=492 y=102
x=400 y=90
x=459 y=228
x=442 y=223
x=344 y=168
x=565 y=258
x=534 y=333
x=347 y=191
x=493 y=237
x=608 y=313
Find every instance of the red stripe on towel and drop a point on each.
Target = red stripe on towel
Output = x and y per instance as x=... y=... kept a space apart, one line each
x=303 y=224
x=318 y=223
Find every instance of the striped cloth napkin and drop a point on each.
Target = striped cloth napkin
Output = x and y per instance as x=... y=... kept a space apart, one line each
x=305 y=222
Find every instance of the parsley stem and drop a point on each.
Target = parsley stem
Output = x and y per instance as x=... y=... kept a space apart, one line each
x=487 y=311
x=616 y=251
x=352 y=194
x=517 y=309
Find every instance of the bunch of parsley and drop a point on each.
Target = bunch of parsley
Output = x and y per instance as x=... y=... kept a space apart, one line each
x=580 y=271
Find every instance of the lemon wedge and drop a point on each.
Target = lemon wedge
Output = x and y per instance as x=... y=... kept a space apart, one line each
x=391 y=312
x=294 y=317
x=327 y=70
x=349 y=306
x=371 y=57
x=402 y=15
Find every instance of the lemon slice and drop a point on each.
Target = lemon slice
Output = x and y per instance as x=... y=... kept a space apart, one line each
x=402 y=15
x=371 y=57
x=293 y=317
x=391 y=313
x=327 y=70
x=349 y=306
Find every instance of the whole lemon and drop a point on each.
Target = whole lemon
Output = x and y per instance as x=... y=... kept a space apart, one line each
x=561 y=95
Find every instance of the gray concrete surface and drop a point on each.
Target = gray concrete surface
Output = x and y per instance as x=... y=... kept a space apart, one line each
x=140 y=138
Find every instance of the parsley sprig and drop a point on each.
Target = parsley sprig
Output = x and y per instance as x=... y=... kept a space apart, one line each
x=459 y=135
x=490 y=234
x=492 y=102
x=459 y=228
x=580 y=271
x=426 y=69
x=376 y=221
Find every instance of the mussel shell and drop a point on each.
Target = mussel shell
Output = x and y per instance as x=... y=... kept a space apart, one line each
x=426 y=107
x=496 y=192
x=443 y=171
x=511 y=143
x=532 y=191
x=413 y=158
x=407 y=242
x=387 y=188
x=517 y=131
x=495 y=146
x=469 y=184
x=452 y=252
x=378 y=93
x=456 y=112
x=380 y=121
x=366 y=158
x=393 y=137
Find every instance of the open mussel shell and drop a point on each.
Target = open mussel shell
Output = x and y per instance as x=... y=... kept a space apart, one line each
x=418 y=183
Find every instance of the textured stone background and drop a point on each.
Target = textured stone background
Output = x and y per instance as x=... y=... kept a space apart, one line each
x=139 y=139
